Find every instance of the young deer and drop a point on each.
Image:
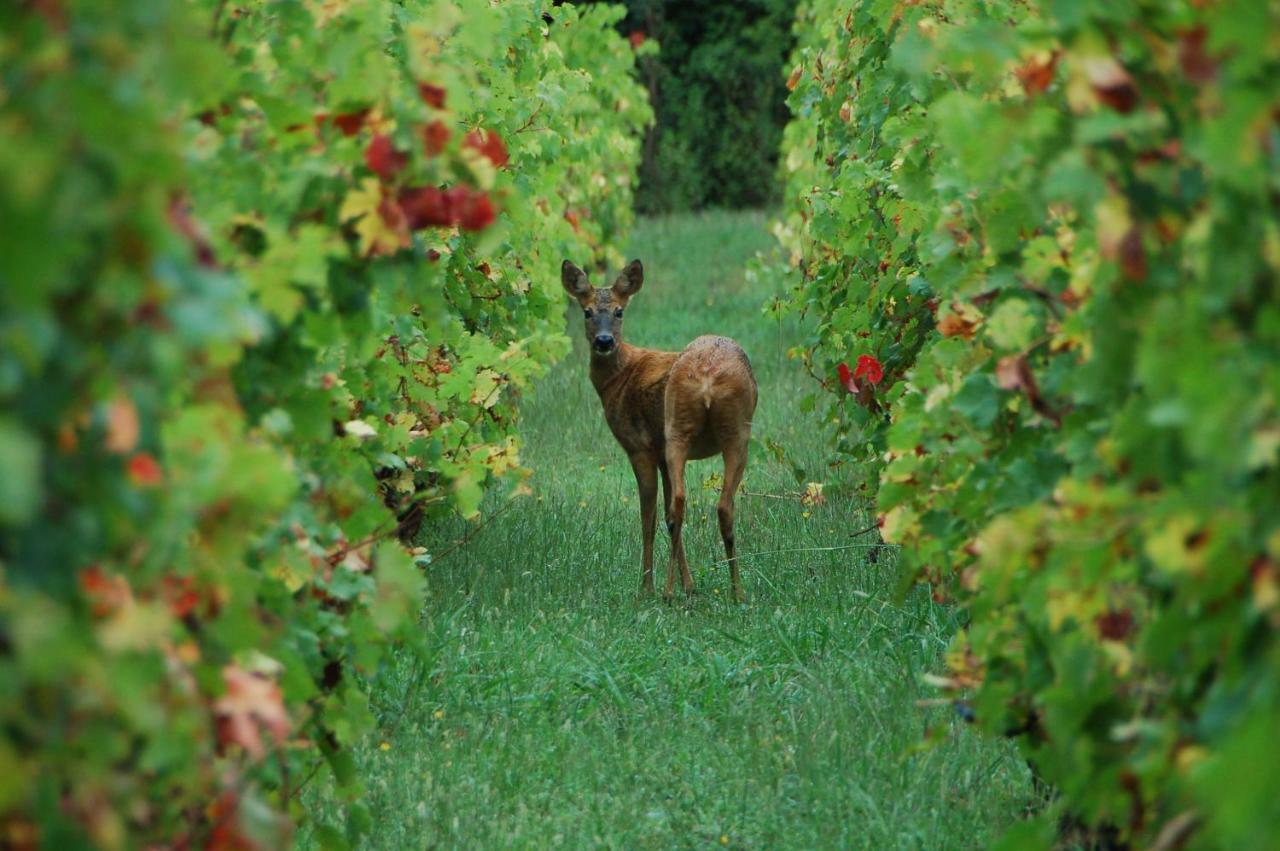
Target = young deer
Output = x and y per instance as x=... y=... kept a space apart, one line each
x=666 y=408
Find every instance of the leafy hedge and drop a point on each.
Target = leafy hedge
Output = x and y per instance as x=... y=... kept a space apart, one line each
x=262 y=264
x=1054 y=228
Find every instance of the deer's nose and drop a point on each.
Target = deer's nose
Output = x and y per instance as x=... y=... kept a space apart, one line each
x=603 y=342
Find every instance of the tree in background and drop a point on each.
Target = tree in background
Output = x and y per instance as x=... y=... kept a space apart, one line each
x=719 y=97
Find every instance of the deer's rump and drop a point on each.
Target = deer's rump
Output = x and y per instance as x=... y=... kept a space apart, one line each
x=711 y=395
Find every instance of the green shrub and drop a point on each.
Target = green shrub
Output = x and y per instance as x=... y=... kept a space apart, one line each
x=261 y=262
x=1055 y=227
x=717 y=90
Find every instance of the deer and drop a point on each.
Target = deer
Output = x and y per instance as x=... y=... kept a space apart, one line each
x=667 y=408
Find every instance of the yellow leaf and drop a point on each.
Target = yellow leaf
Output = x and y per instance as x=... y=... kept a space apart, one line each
x=1062 y=606
x=486 y=391
x=380 y=223
x=136 y=626
x=1168 y=546
x=900 y=525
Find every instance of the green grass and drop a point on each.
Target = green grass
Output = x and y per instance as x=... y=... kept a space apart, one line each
x=561 y=710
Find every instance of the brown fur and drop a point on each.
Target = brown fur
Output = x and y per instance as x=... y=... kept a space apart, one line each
x=665 y=408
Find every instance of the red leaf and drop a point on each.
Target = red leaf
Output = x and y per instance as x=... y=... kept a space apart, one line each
x=1198 y=65
x=431 y=95
x=1115 y=626
x=637 y=38
x=572 y=218
x=144 y=470
x=434 y=137
x=349 y=123
x=471 y=210
x=870 y=368
x=226 y=833
x=1036 y=75
x=1133 y=258
x=1111 y=83
x=180 y=593
x=489 y=144
x=382 y=157
x=107 y=592
x=847 y=378
x=425 y=206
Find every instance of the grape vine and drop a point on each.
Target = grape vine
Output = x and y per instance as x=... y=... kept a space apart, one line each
x=272 y=278
x=1054 y=227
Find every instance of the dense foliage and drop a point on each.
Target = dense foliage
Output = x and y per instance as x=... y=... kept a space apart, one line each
x=265 y=266
x=1053 y=229
x=716 y=86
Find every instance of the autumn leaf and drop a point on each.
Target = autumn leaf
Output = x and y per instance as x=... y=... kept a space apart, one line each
x=251 y=703
x=813 y=494
x=122 y=425
x=1114 y=625
x=469 y=209
x=487 y=387
x=1196 y=63
x=144 y=470
x=1037 y=72
x=957 y=324
x=1110 y=82
x=181 y=595
x=106 y=592
x=489 y=144
x=380 y=223
x=636 y=38
x=425 y=206
x=349 y=123
x=383 y=159
x=432 y=95
x=435 y=135
x=869 y=368
x=1132 y=256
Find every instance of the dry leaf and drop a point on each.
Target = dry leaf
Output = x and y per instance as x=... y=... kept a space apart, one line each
x=251 y=703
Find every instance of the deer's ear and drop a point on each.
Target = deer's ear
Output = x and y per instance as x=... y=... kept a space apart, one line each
x=628 y=283
x=574 y=280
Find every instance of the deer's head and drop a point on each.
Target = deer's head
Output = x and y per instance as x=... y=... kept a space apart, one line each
x=602 y=307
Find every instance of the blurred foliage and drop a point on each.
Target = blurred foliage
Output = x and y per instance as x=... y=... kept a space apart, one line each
x=264 y=268
x=716 y=85
x=1055 y=225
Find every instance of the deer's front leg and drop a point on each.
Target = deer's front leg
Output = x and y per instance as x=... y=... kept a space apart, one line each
x=646 y=470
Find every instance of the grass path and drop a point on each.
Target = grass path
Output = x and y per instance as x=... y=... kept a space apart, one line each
x=560 y=710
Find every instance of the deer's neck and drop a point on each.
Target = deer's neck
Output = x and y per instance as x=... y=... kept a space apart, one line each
x=608 y=370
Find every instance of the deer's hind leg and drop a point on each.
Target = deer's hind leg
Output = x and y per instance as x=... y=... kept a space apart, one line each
x=735 y=465
x=677 y=454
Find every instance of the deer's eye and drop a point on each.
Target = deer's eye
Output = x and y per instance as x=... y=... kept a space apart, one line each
x=618 y=313
x=586 y=313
